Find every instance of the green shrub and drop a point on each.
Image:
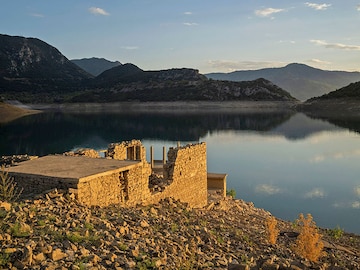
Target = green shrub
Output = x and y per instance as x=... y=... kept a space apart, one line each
x=337 y=232
x=231 y=193
x=4 y=259
x=20 y=230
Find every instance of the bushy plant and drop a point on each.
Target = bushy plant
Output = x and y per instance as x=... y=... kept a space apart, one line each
x=8 y=189
x=308 y=244
x=272 y=231
x=337 y=232
x=20 y=230
x=231 y=193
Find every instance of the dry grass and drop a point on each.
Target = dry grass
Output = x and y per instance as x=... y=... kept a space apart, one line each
x=8 y=189
x=308 y=244
x=273 y=232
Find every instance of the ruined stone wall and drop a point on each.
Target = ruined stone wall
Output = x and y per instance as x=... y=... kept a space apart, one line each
x=35 y=184
x=127 y=188
x=185 y=174
x=138 y=185
x=102 y=190
x=128 y=150
x=187 y=169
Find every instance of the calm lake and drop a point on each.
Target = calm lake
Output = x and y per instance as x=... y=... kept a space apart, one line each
x=284 y=162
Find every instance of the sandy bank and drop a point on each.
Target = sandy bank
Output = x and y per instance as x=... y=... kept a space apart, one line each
x=10 y=112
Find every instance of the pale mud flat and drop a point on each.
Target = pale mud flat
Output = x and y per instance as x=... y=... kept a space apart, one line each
x=10 y=112
x=170 y=107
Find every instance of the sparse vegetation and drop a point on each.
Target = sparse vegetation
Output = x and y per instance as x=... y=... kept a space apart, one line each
x=272 y=231
x=20 y=230
x=337 y=232
x=231 y=193
x=8 y=190
x=4 y=259
x=308 y=244
x=76 y=237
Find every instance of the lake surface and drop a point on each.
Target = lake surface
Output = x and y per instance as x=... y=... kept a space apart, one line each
x=285 y=163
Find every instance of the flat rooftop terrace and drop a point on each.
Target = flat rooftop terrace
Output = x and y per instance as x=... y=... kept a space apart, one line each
x=71 y=167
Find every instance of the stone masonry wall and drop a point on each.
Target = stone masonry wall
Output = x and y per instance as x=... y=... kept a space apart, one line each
x=35 y=184
x=127 y=188
x=185 y=173
x=187 y=168
x=128 y=150
x=102 y=190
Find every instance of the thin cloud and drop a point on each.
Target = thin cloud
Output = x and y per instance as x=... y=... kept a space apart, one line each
x=318 y=61
x=188 y=13
x=356 y=205
x=243 y=65
x=190 y=24
x=267 y=189
x=347 y=205
x=318 y=6
x=357 y=190
x=315 y=193
x=130 y=48
x=336 y=45
x=335 y=155
x=268 y=12
x=358 y=7
x=287 y=41
x=37 y=15
x=98 y=11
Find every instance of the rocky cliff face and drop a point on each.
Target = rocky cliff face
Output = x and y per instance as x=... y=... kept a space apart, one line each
x=33 y=71
x=30 y=66
x=32 y=58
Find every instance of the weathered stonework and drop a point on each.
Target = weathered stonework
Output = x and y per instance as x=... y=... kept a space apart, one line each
x=123 y=177
x=128 y=150
x=187 y=170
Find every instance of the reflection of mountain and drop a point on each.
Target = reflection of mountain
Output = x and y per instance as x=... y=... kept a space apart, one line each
x=56 y=133
x=351 y=122
x=299 y=126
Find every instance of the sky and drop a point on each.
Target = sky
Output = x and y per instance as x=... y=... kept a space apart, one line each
x=208 y=35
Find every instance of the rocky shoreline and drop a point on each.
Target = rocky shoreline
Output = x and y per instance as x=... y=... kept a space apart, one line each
x=169 y=107
x=53 y=231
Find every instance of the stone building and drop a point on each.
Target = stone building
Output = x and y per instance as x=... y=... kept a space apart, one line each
x=123 y=177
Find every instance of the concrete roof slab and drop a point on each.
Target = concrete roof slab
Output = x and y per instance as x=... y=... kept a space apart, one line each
x=77 y=167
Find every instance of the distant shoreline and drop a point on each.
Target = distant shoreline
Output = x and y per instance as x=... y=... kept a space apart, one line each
x=10 y=112
x=171 y=106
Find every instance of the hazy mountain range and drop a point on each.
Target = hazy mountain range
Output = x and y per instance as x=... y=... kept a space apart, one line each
x=95 y=66
x=34 y=71
x=301 y=81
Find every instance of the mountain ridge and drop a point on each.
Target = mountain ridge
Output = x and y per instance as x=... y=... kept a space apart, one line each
x=300 y=80
x=33 y=71
x=94 y=65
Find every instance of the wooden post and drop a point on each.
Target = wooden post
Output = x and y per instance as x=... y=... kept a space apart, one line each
x=164 y=154
x=152 y=156
x=178 y=144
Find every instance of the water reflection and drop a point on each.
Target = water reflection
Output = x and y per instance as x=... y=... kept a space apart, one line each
x=318 y=174
x=286 y=163
x=46 y=133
